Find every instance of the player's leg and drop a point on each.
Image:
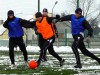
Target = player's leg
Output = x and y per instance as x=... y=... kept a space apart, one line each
x=22 y=47
x=88 y=53
x=11 y=50
x=54 y=54
x=12 y=44
x=77 y=41
x=43 y=50
x=41 y=41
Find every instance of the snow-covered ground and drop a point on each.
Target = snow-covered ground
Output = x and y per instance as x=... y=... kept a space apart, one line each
x=90 y=66
x=60 y=49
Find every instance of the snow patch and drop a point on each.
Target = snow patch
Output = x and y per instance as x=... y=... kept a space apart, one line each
x=56 y=48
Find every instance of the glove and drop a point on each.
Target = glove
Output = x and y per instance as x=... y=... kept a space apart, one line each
x=36 y=32
x=57 y=16
x=35 y=29
x=88 y=39
x=6 y=24
x=56 y=35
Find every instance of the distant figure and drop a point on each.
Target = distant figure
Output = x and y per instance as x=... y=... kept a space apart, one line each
x=45 y=12
x=79 y=25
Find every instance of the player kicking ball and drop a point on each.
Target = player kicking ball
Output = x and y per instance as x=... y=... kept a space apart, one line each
x=79 y=24
x=46 y=29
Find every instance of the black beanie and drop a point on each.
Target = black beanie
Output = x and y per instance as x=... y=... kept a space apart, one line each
x=38 y=14
x=45 y=10
x=10 y=12
x=78 y=10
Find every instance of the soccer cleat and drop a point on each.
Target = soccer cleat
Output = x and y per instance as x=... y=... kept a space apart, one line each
x=98 y=61
x=44 y=59
x=62 y=62
x=78 y=66
x=38 y=62
x=13 y=66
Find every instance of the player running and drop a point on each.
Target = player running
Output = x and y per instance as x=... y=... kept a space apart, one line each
x=79 y=25
x=41 y=40
x=46 y=30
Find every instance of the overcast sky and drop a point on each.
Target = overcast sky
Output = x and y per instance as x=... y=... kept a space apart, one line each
x=29 y=7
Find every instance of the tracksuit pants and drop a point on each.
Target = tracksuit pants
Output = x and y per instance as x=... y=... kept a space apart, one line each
x=79 y=44
x=19 y=42
x=47 y=45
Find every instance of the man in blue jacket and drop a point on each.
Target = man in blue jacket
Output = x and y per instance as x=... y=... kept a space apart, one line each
x=16 y=33
x=78 y=26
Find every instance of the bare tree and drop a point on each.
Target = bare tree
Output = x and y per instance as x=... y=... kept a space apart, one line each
x=88 y=6
x=91 y=11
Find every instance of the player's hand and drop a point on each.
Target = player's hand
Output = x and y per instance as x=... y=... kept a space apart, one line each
x=88 y=39
x=36 y=32
x=56 y=35
x=57 y=16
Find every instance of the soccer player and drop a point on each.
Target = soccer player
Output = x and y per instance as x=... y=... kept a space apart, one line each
x=46 y=30
x=16 y=33
x=41 y=40
x=40 y=37
x=78 y=25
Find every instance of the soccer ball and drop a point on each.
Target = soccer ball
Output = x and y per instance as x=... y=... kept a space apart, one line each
x=32 y=64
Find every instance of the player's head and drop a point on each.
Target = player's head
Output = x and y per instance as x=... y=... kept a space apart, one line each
x=38 y=16
x=78 y=12
x=10 y=14
x=45 y=12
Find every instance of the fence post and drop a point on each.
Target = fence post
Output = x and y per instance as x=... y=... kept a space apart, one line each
x=66 y=41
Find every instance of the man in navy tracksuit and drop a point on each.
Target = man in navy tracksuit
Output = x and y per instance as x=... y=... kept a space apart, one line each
x=16 y=33
x=79 y=24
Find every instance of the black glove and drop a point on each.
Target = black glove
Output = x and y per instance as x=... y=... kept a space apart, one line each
x=57 y=16
x=6 y=24
x=90 y=35
x=56 y=35
x=36 y=32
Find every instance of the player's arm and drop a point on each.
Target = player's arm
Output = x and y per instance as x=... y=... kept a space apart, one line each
x=87 y=26
x=50 y=19
x=66 y=18
x=26 y=23
x=5 y=25
x=56 y=30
